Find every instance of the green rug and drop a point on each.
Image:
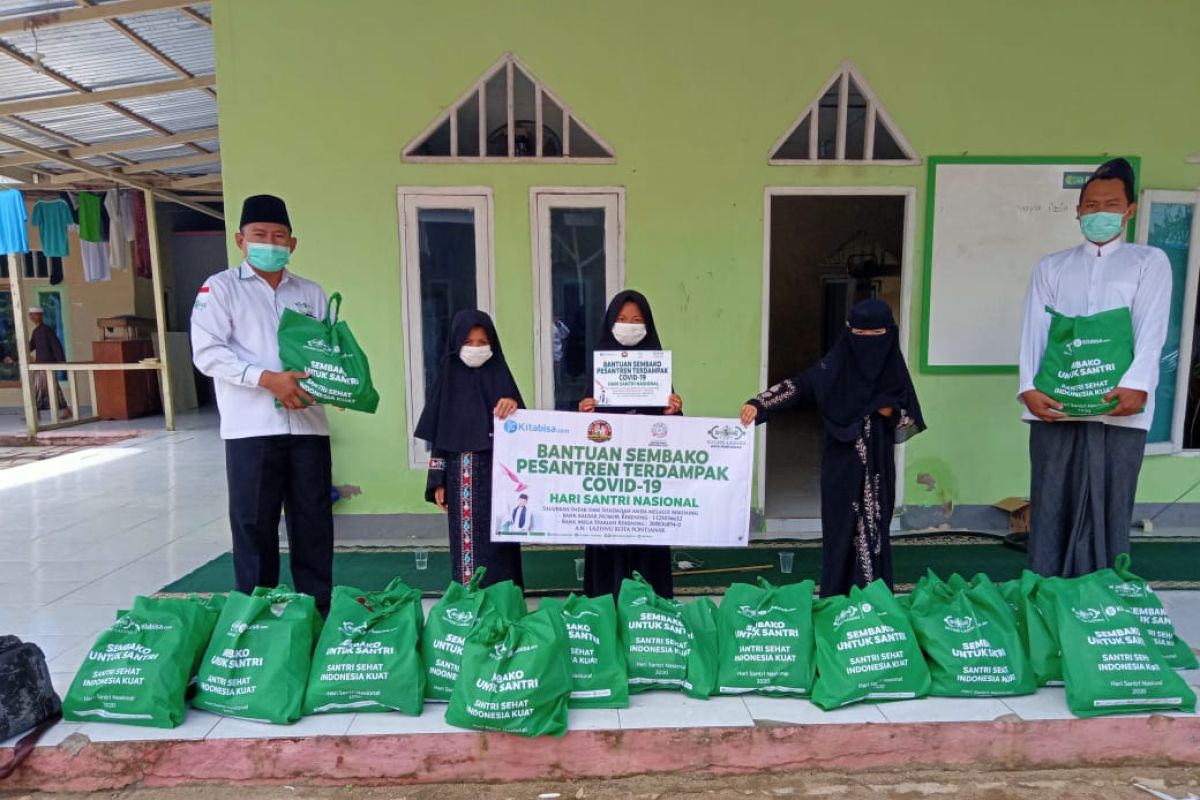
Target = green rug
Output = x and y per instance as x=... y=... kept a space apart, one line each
x=1167 y=562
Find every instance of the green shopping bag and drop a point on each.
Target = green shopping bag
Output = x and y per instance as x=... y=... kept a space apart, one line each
x=257 y=663
x=1141 y=599
x=506 y=597
x=368 y=657
x=970 y=638
x=1036 y=625
x=1010 y=590
x=700 y=617
x=138 y=670
x=1085 y=358
x=338 y=372
x=666 y=645
x=766 y=639
x=598 y=678
x=515 y=676
x=866 y=649
x=452 y=618
x=1110 y=665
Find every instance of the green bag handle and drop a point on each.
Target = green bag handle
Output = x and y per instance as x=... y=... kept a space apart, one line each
x=333 y=310
x=380 y=612
x=396 y=584
x=280 y=594
x=1121 y=566
x=476 y=577
x=765 y=584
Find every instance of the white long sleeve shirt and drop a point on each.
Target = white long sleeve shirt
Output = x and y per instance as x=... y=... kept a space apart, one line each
x=1089 y=279
x=235 y=337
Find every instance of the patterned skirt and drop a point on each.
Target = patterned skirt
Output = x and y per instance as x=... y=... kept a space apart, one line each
x=469 y=497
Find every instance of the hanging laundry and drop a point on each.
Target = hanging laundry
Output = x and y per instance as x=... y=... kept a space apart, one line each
x=89 y=217
x=52 y=218
x=56 y=271
x=13 y=236
x=118 y=242
x=141 y=243
x=127 y=214
x=95 y=261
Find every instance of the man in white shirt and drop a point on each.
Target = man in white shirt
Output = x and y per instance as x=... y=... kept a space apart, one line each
x=276 y=439
x=1085 y=469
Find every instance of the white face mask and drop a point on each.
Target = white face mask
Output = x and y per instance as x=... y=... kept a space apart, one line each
x=475 y=356
x=629 y=333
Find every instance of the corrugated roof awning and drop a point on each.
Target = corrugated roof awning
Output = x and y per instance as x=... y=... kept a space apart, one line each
x=97 y=92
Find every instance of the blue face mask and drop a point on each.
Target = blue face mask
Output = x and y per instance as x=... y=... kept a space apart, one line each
x=1102 y=226
x=267 y=257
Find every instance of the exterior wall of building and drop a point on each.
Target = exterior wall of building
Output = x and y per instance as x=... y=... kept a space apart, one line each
x=318 y=99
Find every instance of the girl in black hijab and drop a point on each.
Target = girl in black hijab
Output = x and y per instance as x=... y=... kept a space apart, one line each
x=866 y=398
x=473 y=385
x=628 y=325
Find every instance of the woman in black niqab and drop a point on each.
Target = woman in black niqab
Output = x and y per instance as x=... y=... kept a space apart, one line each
x=627 y=319
x=474 y=384
x=864 y=393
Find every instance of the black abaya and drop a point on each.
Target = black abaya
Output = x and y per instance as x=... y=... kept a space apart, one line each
x=605 y=566
x=860 y=375
x=858 y=492
x=457 y=422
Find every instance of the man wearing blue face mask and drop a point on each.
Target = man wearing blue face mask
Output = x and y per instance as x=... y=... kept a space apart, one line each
x=276 y=439
x=1085 y=469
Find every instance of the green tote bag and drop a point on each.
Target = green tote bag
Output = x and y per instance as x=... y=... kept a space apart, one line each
x=138 y=670
x=369 y=655
x=256 y=666
x=338 y=372
x=516 y=676
x=766 y=639
x=1084 y=360
x=597 y=661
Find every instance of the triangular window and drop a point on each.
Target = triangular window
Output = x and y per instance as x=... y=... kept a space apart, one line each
x=846 y=124
x=509 y=115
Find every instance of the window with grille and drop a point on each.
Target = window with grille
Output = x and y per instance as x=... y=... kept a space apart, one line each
x=509 y=116
x=845 y=124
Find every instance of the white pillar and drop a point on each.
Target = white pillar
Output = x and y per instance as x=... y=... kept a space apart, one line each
x=18 y=307
x=160 y=318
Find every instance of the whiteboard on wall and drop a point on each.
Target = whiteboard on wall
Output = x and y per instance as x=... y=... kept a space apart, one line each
x=988 y=222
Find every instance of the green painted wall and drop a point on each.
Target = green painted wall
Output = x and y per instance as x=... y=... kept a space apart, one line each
x=318 y=98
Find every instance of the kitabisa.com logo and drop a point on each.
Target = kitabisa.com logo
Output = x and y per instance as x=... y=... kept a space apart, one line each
x=512 y=426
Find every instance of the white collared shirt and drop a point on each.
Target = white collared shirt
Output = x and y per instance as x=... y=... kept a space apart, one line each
x=1089 y=279
x=235 y=337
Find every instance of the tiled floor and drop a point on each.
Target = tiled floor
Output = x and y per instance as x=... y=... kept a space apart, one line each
x=82 y=534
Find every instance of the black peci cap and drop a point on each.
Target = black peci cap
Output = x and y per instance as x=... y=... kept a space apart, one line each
x=264 y=208
x=1117 y=169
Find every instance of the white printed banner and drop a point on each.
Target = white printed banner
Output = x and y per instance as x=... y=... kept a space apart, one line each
x=567 y=478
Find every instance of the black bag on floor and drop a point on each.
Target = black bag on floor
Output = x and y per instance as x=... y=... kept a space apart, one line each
x=27 y=698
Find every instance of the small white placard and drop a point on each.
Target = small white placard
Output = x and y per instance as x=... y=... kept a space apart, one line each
x=625 y=378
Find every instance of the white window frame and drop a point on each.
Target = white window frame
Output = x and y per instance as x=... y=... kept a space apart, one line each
x=1178 y=416
x=410 y=199
x=909 y=194
x=875 y=111
x=541 y=200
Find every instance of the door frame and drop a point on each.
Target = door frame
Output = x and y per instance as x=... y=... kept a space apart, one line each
x=409 y=199
x=541 y=200
x=909 y=193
